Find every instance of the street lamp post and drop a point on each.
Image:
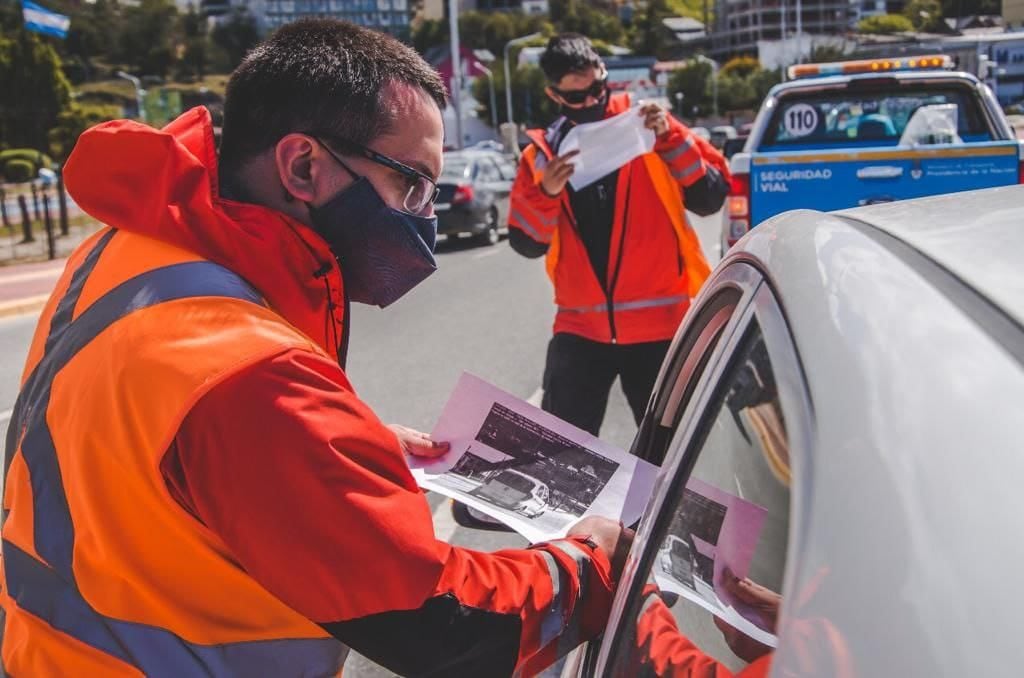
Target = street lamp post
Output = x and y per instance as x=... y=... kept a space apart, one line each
x=490 y=84
x=456 y=80
x=139 y=92
x=508 y=77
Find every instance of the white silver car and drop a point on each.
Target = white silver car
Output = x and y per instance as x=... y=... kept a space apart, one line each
x=841 y=420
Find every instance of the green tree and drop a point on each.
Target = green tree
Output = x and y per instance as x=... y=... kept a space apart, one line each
x=75 y=120
x=36 y=90
x=885 y=24
x=236 y=37
x=821 y=54
x=925 y=15
x=736 y=93
x=196 y=55
x=694 y=82
x=741 y=67
x=762 y=80
x=650 y=36
x=530 y=105
x=146 y=40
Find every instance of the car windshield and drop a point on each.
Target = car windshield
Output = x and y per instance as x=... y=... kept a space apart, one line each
x=515 y=481
x=454 y=169
x=856 y=117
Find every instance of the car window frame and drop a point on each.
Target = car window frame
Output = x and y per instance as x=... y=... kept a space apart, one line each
x=729 y=291
x=798 y=411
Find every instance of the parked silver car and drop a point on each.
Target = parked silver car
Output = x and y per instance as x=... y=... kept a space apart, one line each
x=473 y=197
x=839 y=421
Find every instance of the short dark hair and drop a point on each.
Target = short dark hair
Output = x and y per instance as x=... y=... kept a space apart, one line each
x=568 y=53
x=318 y=75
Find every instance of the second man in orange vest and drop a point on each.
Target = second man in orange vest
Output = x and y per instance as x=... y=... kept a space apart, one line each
x=622 y=257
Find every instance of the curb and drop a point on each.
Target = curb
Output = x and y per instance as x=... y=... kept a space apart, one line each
x=23 y=306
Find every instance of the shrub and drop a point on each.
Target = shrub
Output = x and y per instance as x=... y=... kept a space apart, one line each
x=885 y=24
x=34 y=158
x=18 y=171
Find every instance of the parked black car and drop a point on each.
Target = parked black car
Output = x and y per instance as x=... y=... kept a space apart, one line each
x=474 y=185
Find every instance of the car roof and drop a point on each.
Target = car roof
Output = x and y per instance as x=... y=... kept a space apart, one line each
x=977 y=236
x=906 y=505
x=836 y=80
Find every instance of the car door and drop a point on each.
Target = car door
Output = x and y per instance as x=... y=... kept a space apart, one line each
x=732 y=420
x=503 y=188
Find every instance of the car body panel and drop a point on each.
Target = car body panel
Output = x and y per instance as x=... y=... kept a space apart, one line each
x=491 y=190
x=911 y=502
x=906 y=450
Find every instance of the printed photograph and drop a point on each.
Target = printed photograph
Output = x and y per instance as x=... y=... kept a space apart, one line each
x=543 y=476
x=688 y=553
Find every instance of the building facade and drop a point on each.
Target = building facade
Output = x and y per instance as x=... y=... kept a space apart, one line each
x=740 y=24
x=389 y=16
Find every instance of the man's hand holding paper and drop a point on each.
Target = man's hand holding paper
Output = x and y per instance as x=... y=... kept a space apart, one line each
x=606 y=146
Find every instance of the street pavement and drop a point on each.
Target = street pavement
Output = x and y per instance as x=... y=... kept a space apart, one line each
x=487 y=311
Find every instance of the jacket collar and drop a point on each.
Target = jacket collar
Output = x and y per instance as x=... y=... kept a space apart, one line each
x=164 y=184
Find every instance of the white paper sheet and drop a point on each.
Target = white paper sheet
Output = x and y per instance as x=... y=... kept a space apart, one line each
x=606 y=146
x=532 y=471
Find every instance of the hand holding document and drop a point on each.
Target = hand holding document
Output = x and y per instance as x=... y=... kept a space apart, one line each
x=532 y=471
x=606 y=146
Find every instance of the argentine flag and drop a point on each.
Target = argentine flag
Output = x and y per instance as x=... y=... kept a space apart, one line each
x=42 y=20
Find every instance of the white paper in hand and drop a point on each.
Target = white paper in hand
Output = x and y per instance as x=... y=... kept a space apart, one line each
x=606 y=146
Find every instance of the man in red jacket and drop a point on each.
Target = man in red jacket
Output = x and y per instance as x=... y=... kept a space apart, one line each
x=186 y=437
x=622 y=257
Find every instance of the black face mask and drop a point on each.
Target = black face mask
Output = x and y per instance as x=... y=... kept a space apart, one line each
x=590 y=113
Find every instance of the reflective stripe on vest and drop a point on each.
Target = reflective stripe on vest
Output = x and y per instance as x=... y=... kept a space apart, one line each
x=626 y=305
x=48 y=590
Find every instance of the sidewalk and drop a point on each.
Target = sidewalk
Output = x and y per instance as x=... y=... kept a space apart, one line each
x=26 y=275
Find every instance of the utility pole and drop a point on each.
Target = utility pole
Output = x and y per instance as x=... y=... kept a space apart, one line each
x=508 y=76
x=456 y=80
x=799 y=33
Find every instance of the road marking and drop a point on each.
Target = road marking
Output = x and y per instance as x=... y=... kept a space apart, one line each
x=32 y=275
x=739 y=488
x=536 y=398
x=488 y=253
x=444 y=523
x=5 y=415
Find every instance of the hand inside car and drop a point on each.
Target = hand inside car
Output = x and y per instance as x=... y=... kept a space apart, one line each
x=418 y=444
x=765 y=602
x=611 y=536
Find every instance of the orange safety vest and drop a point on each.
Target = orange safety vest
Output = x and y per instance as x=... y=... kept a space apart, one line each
x=656 y=265
x=105 y=574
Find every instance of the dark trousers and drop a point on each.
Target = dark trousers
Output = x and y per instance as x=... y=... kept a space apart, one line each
x=579 y=375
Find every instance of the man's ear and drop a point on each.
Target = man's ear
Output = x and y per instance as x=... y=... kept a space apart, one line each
x=552 y=95
x=293 y=157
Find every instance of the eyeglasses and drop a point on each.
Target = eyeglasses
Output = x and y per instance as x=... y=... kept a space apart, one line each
x=422 y=191
x=579 y=96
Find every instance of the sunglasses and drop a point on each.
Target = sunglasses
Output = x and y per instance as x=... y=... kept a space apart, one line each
x=422 y=189
x=576 y=97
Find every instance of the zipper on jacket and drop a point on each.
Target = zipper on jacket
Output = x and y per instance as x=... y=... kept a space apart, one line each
x=610 y=289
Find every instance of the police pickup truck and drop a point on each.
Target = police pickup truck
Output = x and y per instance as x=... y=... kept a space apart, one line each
x=845 y=134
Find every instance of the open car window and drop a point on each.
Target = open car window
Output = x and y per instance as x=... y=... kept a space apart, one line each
x=710 y=558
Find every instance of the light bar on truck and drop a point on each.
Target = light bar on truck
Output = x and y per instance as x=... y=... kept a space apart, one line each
x=919 y=63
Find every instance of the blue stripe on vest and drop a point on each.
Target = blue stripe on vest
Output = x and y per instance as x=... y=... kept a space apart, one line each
x=51 y=594
x=158 y=652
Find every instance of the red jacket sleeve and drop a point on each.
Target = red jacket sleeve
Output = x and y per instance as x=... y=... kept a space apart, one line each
x=688 y=155
x=311 y=494
x=667 y=653
x=532 y=211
